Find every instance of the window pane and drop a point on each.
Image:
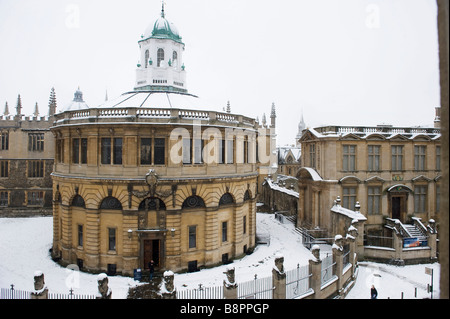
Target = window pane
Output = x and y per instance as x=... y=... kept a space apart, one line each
x=75 y=151
x=118 y=143
x=106 y=150
x=192 y=236
x=112 y=239
x=146 y=151
x=160 y=151
x=84 y=151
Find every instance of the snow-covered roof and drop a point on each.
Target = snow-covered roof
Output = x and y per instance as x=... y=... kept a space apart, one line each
x=274 y=186
x=314 y=175
x=77 y=103
x=159 y=100
x=347 y=212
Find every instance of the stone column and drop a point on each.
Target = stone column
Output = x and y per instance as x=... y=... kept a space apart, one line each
x=229 y=285
x=40 y=290
x=432 y=239
x=279 y=279
x=315 y=269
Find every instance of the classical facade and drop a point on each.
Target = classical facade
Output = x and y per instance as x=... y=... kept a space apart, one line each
x=153 y=175
x=26 y=161
x=393 y=172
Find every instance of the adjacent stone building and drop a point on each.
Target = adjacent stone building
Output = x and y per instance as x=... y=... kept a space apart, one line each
x=26 y=161
x=393 y=172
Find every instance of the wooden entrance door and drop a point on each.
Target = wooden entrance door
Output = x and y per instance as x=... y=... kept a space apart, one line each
x=152 y=252
x=396 y=207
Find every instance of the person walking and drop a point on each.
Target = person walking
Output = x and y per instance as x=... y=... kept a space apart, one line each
x=373 y=292
x=151 y=268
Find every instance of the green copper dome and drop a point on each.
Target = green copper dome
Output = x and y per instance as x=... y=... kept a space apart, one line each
x=162 y=29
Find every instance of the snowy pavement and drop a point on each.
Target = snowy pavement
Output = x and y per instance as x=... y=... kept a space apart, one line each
x=25 y=244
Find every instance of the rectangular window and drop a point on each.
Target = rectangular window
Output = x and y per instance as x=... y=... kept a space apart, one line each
x=224 y=231
x=76 y=151
x=111 y=239
x=146 y=151
x=80 y=235
x=230 y=151
x=60 y=151
x=438 y=198
x=221 y=151
x=117 y=155
x=373 y=200
x=35 y=169
x=35 y=198
x=198 y=147
x=397 y=158
x=4 y=168
x=373 y=163
x=106 y=150
x=160 y=151
x=420 y=199
x=312 y=155
x=36 y=142
x=244 y=225
x=83 y=146
x=3 y=199
x=419 y=158
x=192 y=236
x=349 y=158
x=187 y=151
x=4 y=141
x=438 y=158
x=349 y=198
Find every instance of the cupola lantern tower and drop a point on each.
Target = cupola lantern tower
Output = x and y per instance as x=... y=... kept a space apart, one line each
x=161 y=65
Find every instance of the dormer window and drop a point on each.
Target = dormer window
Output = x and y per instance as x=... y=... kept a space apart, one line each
x=160 y=57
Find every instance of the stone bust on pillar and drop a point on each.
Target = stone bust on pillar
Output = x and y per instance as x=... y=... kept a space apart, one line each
x=104 y=292
x=40 y=290
x=167 y=289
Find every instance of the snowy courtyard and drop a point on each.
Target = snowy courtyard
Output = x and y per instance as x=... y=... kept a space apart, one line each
x=25 y=244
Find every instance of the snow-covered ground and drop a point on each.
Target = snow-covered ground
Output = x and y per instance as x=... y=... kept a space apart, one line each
x=25 y=244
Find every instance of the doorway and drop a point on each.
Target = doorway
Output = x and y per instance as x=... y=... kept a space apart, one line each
x=152 y=250
x=396 y=212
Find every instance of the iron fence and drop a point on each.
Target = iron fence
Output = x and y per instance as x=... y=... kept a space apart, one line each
x=258 y=288
x=297 y=281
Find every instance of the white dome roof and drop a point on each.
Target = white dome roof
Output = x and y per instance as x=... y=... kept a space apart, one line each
x=77 y=103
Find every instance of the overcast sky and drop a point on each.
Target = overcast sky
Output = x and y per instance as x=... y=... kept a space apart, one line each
x=345 y=62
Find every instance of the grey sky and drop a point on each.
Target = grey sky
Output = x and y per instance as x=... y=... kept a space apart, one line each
x=348 y=62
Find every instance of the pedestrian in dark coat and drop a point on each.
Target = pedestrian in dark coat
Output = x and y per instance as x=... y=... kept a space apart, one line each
x=151 y=267
x=373 y=293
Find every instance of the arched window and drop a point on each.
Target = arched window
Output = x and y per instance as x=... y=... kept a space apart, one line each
x=78 y=201
x=152 y=203
x=111 y=203
x=160 y=56
x=147 y=57
x=193 y=202
x=175 y=58
x=226 y=199
x=247 y=195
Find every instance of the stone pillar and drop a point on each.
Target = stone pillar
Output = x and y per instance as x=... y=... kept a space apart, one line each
x=398 y=246
x=315 y=269
x=279 y=279
x=40 y=290
x=338 y=258
x=104 y=292
x=229 y=285
x=432 y=239
x=167 y=289
x=351 y=239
